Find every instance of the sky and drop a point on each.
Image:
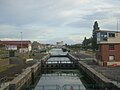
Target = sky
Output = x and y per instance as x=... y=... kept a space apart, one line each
x=49 y=21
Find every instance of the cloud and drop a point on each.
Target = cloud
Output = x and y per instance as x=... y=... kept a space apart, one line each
x=52 y=20
x=77 y=37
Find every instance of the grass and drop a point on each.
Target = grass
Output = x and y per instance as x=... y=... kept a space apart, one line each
x=90 y=52
x=3 y=51
x=4 y=68
x=74 y=49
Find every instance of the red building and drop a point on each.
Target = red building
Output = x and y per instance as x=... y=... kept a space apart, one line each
x=109 y=48
x=17 y=45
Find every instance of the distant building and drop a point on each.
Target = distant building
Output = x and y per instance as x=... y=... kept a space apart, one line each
x=21 y=46
x=109 y=47
x=59 y=44
x=38 y=46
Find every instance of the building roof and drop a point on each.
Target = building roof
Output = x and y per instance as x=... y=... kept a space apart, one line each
x=14 y=42
x=107 y=31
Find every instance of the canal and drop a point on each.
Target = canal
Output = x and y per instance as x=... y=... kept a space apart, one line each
x=63 y=79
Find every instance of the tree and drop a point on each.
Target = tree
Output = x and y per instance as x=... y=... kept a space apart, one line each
x=66 y=45
x=84 y=44
x=94 y=36
x=87 y=43
x=95 y=26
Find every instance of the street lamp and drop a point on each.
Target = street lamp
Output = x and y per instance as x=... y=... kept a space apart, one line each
x=118 y=20
x=21 y=40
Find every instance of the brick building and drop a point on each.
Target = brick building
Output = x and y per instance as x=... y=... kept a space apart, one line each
x=108 y=52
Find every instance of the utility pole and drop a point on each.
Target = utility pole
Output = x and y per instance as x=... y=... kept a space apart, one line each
x=117 y=25
x=21 y=41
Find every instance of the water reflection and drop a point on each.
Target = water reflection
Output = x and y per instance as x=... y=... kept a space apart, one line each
x=61 y=80
x=57 y=51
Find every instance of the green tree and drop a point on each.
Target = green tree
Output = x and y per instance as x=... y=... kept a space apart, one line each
x=87 y=43
x=66 y=44
x=94 y=36
x=84 y=44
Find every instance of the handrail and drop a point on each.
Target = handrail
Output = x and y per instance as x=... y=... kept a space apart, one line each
x=58 y=62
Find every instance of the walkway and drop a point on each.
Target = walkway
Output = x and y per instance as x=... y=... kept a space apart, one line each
x=112 y=73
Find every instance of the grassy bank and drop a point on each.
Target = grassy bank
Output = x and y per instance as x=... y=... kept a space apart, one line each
x=4 y=68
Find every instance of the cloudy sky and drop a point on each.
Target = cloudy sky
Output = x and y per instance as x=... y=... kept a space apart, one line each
x=48 y=21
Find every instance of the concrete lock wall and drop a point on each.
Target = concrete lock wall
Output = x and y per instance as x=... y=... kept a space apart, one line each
x=98 y=77
x=5 y=87
x=25 y=78
x=45 y=57
x=72 y=58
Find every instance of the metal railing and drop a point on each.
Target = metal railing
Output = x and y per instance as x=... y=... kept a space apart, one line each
x=56 y=62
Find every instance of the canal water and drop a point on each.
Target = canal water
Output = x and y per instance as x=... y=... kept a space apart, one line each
x=62 y=79
x=57 y=51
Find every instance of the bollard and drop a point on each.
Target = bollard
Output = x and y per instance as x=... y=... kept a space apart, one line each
x=12 y=87
x=32 y=75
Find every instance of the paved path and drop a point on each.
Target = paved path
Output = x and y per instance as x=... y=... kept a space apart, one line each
x=82 y=55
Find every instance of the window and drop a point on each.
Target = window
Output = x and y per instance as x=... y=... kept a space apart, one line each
x=111 y=47
x=111 y=34
x=111 y=57
x=104 y=36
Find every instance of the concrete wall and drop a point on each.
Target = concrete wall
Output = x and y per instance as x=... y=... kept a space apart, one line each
x=45 y=57
x=5 y=87
x=72 y=58
x=27 y=77
x=24 y=79
x=98 y=77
